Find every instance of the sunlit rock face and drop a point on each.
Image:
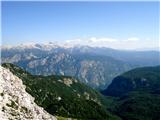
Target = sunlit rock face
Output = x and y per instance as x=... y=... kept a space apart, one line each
x=15 y=102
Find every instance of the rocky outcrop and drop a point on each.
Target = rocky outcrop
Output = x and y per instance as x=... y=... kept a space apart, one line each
x=15 y=102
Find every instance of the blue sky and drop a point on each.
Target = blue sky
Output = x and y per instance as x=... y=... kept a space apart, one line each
x=58 y=21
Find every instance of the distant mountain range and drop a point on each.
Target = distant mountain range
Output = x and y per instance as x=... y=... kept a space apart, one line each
x=95 y=66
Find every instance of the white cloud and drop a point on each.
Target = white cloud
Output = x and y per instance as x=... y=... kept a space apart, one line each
x=130 y=43
x=133 y=39
x=94 y=39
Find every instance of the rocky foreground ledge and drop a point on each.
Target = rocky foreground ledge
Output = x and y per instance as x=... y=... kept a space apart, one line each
x=15 y=102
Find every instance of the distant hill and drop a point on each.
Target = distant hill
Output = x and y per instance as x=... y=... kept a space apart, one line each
x=137 y=94
x=146 y=78
x=63 y=96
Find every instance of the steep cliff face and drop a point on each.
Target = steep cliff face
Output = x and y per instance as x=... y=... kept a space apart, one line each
x=15 y=102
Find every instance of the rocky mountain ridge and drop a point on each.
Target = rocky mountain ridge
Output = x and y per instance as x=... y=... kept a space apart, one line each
x=15 y=102
x=94 y=66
